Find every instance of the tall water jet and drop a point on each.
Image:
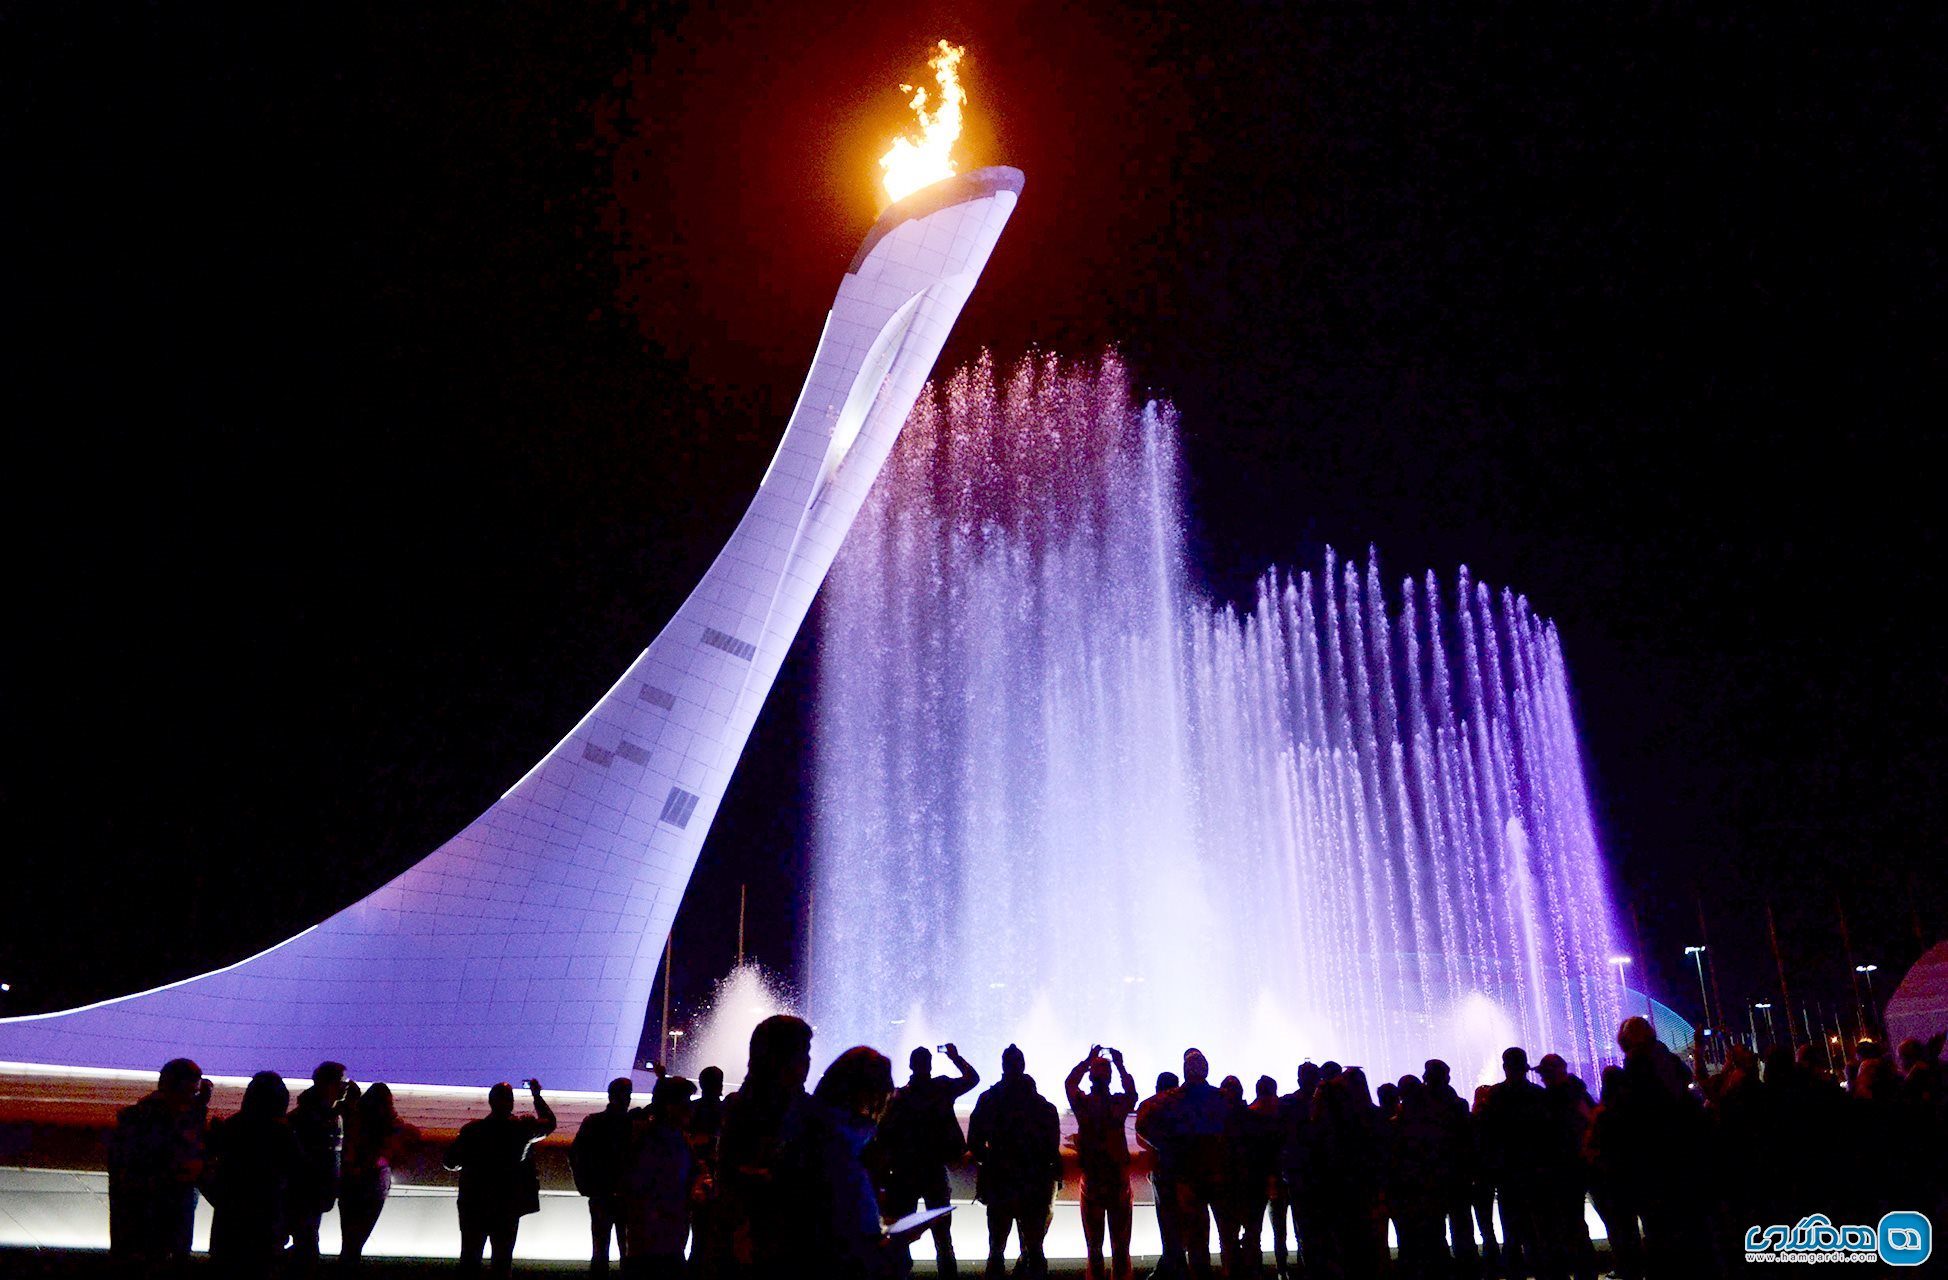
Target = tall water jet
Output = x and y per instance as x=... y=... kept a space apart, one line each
x=1063 y=798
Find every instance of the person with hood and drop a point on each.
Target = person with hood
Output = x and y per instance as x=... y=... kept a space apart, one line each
x=498 y=1184
x=1104 y=1155
x=256 y=1166
x=919 y=1138
x=155 y=1156
x=1015 y=1137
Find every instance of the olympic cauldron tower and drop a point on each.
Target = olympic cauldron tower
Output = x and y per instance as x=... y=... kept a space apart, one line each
x=528 y=943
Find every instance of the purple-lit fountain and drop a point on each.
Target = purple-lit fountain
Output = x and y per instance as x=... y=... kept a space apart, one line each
x=1062 y=798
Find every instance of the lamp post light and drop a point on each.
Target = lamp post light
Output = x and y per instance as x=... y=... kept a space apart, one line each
x=1767 y=1006
x=1697 y=953
x=1873 y=1008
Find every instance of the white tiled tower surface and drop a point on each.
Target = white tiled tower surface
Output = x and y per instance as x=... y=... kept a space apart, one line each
x=527 y=945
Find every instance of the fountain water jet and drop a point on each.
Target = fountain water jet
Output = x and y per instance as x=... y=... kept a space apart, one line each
x=721 y=1034
x=1063 y=798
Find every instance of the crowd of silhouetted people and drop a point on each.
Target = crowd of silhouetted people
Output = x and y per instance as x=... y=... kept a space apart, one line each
x=773 y=1181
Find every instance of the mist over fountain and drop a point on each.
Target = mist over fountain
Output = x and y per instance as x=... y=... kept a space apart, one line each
x=1064 y=798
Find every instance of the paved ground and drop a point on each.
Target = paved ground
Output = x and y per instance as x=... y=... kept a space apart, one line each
x=87 y=1264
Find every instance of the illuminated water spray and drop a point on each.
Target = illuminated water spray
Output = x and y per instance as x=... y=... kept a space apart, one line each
x=1062 y=798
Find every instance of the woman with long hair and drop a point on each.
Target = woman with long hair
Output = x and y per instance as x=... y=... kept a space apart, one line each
x=255 y=1157
x=374 y=1138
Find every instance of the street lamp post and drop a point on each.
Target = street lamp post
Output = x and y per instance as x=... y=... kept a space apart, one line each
x=1704 y=997
x=1873 y=1008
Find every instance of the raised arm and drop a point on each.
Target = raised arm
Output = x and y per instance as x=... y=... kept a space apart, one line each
x=1129 y=1081
x=544 y=1112
x=968 y=1076
x=1073 y=1085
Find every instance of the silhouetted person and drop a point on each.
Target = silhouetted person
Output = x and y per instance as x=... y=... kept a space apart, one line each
x=598 y=1156
x=155 y=1156
x=1197 y=1117
x=1295 y=1118
x=1516 y=1142
x=1654 y=1141
x=1610 y=1190
x=1103 y=1152
x=1565 y=1226
x=920 y=1138
x=845 y=1241
x=1154 y=1135
x=1015 y=1137
x=1925 y=1127
x=1883 y=1154
x=1346 y=1173
x=1481 y=1187
x=707 y=1116
x=318 y=1123
x=1386 y=1099
x=1225 y=1191
x=1454 y=1164
x=709 y=1257
x=1256 y=1136
x=1414 y=1149
x=256 y=1165
x=375 y=1137
x=657 y=1183
x=760 y=1227
x=497 y=1178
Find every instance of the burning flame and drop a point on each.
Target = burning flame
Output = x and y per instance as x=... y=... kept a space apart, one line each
x=911 y=164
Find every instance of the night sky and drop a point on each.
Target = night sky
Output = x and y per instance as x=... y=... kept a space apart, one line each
x=382 y=383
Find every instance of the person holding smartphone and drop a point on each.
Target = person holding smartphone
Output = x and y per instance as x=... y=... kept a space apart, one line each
x=1104 y=1154
x=920 y=1138
x=497 y=1182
